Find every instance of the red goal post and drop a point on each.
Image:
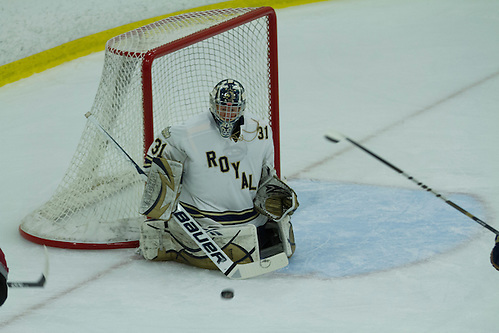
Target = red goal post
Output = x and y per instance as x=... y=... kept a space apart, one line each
x=154 y=76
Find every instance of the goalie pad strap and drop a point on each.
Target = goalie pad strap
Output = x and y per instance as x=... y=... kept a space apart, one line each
x=162 y=188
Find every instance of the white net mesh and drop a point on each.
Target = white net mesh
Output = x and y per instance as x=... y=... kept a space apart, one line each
x=98 y=199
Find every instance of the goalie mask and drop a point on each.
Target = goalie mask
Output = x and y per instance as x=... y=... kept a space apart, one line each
x=227 y=103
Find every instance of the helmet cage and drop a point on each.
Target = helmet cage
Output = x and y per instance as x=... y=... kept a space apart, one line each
x=227 y=104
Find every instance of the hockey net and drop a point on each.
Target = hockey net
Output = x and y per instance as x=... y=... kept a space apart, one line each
x=154 y=76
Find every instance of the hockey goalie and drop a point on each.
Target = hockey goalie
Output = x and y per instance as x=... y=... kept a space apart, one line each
x=219 y=167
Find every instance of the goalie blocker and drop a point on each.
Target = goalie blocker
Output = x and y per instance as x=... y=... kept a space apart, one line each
x=162 y=239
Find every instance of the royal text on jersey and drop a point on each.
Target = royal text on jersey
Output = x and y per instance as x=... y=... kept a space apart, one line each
x=225 y=166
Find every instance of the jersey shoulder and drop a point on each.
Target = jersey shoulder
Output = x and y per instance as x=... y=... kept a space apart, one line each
x=256 y=127
x=197 y=124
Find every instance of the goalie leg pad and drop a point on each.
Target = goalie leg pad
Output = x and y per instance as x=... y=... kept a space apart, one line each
x=162 y=189
x=155 y=240
x=166 y=241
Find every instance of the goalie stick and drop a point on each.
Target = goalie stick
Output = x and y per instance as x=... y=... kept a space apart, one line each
x=40 y=283
x=201 y=238
x=337 y=137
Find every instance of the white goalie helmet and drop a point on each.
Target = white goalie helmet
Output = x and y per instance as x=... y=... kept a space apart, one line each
x=227 y=104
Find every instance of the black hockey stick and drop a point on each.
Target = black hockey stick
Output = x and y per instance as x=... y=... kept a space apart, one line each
x=337 y=137
x=201 y=237
x=34 y=284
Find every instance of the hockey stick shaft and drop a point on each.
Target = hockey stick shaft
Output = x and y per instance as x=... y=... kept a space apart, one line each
x=201 y=238
x=336 y=137
x=40 y=283
x=116 y=144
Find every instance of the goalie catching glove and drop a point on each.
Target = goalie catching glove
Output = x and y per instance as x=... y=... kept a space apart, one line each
x=274 y=198
x=162 y=188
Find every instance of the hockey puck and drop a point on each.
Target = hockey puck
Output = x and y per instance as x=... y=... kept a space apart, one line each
x=227 y=294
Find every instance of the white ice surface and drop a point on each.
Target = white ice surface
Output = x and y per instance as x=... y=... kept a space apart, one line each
x=415 y=81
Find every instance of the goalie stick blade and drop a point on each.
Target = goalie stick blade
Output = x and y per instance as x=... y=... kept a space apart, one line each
x=267 y=265
x=36 y=284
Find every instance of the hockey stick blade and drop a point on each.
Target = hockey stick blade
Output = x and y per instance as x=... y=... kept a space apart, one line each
x=40 y=283
x=334 y=136
x=35 y=284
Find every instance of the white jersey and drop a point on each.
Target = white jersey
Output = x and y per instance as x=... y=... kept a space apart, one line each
x=220 y=176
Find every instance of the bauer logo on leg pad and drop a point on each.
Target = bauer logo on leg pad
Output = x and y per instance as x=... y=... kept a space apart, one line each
x=200 y=237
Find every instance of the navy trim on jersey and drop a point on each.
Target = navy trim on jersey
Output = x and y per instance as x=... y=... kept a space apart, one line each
x=225 y=218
